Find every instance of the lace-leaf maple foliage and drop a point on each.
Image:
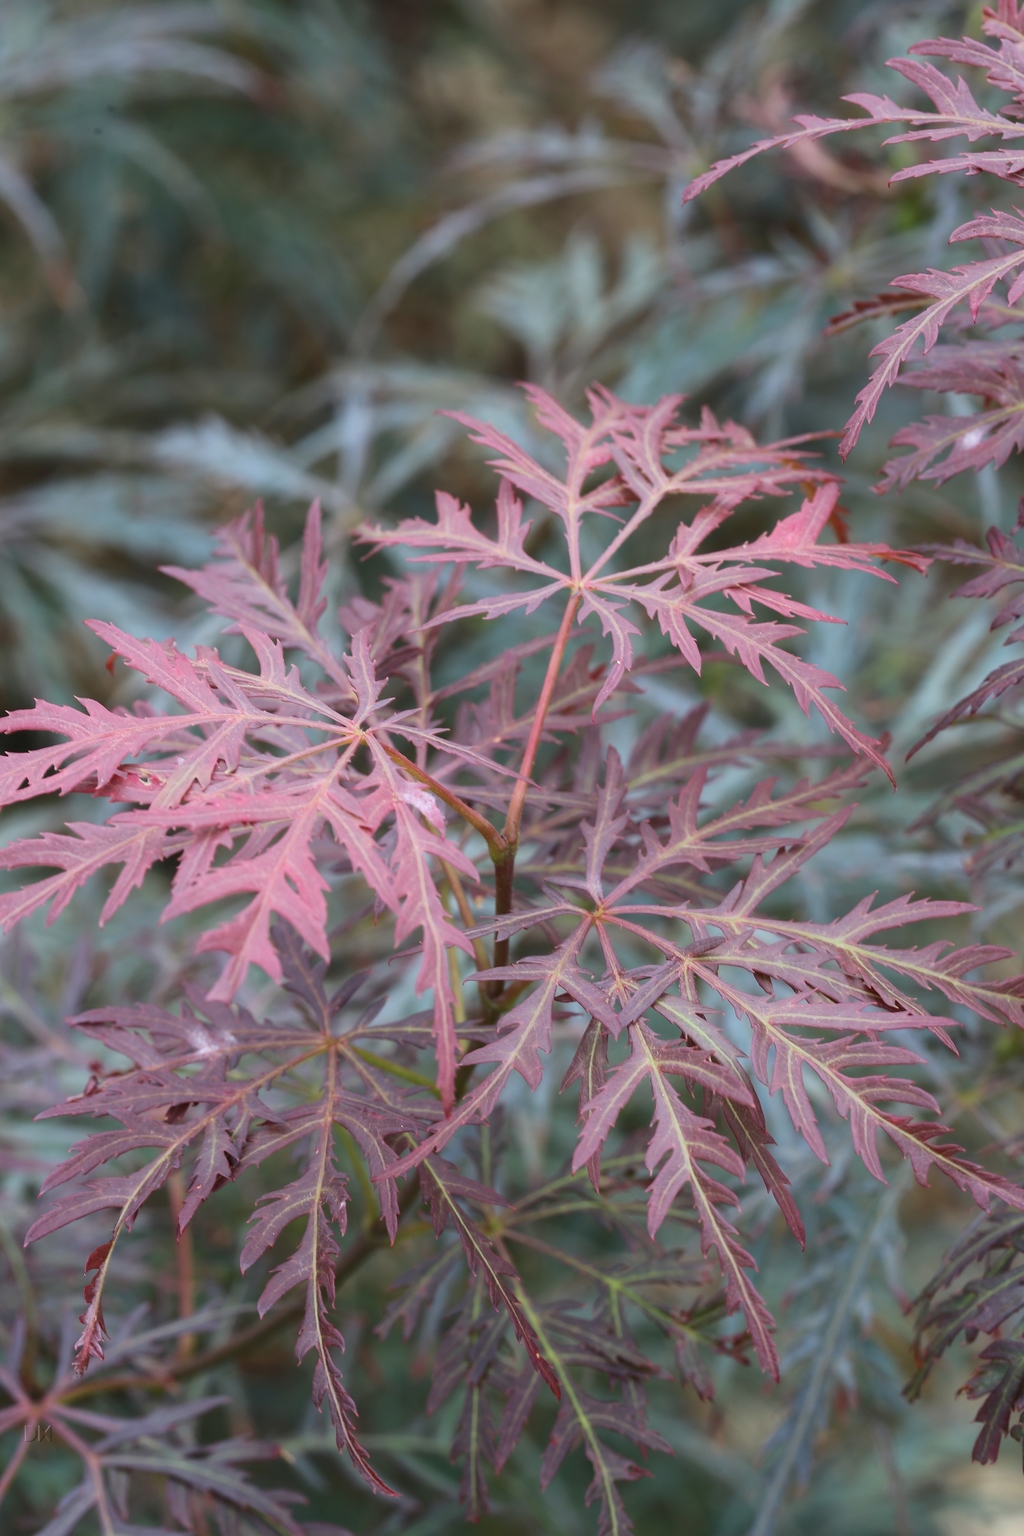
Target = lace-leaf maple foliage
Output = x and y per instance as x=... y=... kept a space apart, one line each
x=977 y=1290
x=980 y=295
x=623 y=909
x=159 y=1446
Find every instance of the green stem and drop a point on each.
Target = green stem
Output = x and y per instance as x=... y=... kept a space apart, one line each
x=395 y=1069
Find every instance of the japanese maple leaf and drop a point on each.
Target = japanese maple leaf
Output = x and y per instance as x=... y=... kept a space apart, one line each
x=821 y=999
x=241 y=781
x=686 y=590
x=955 y=113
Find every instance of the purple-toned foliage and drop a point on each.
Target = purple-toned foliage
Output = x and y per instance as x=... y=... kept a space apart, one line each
x=624 y=909
x=980 y=293
x=156 y=1447
x=978 y=1289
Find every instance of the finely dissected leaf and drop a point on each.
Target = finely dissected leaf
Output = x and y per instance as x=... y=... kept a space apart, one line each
x=1000 y=1381
x=979 y=1288
x=681 y=1141
x=958 y=114
x=443 y=1187
x=589 y=1067
x=186 y=1092
x=581 y=1418
x=961 y=1301
x=948 y=445
x=993 y=434
x=318 y=1194
x=752 y=1139
x=254 y=764
x=156 y=1447
x=809 y=978
x=245 y=584
x=971 y=285
x=634 y=910
x=725 y=466
x=90 y=849
x=526 y=1033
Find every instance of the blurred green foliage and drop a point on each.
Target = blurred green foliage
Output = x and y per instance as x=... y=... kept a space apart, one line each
x=251 y=248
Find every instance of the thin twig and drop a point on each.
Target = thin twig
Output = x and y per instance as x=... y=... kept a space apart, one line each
x=504 y=864
x=490 y=834
x=185 y=1262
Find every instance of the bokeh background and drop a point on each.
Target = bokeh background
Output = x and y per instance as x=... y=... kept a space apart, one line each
x=251 y=249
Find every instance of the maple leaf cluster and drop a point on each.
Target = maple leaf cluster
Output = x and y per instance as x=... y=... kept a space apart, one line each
x=975 y=303
x=540 y=890
x=116 y=1453
x=976 y=307
x=979 y=1288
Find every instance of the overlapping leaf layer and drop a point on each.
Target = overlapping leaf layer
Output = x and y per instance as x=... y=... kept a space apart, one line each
x=976 y=307
x=980 y=296
x=539 y=889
